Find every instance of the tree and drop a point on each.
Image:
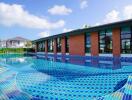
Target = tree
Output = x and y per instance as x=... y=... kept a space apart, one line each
x=28 y=44
x=86 y=26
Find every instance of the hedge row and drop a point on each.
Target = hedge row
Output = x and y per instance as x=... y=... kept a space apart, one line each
x=15 y=50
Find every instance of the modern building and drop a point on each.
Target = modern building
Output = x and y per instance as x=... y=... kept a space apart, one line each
x=16 y=42
x=113 y=39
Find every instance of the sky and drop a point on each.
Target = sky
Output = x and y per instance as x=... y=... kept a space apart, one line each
x=34 y=19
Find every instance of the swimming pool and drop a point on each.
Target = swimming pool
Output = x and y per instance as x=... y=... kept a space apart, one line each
x=60 y=78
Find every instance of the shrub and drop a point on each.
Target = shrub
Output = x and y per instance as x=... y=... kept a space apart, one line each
x=15 y=50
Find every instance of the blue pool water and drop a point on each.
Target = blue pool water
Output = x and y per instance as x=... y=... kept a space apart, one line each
x=60 y=78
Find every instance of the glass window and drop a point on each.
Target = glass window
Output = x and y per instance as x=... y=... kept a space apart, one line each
x=126 y=40
x=102 y=33
x=50 y=45
x=125 y=30
x=87 y=43
x=41 y=47
x=125 y=36
x=105 y=41
x=58 y=44
x=67 y=44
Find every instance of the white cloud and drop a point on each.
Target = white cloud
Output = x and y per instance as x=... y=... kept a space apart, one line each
x=97 y=24
x=128 y=12
x=112 y=16
x=44 y=34
x=83 y=4
x=60 y=10
x=67 y=30
x=15 y=14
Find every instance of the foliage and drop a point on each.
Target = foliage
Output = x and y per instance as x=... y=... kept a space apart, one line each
x=15 y=50
x=28 y=44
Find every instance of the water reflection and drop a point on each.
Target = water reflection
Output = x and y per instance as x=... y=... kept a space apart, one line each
x=111 y=63
x=16 y=62
x=114 y=63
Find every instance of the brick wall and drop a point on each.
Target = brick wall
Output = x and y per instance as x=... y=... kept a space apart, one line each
x=77 y=45
x=116 y=42
x=46 y=46
x=94 y=44
x=55 y=46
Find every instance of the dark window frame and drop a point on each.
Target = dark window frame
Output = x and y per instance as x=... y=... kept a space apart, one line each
x=87 y=49
x=67 y=44
x=104 y=43
x=44 y=46
x=50 y=45
x=126 y=51
x=41 y=46
x=58 y=44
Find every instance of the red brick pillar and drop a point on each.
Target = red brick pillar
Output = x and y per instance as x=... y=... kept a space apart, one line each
x=94 y=44
x=116 y=42
x=77 y=44
x=46 y=46
x=55 y=46
x=63 y=45
x=36 y=47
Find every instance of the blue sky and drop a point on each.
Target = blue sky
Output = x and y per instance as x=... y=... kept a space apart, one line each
x=34 y=19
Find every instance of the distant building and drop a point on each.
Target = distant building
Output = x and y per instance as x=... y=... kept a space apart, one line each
x=2 y=43
x=16 y=42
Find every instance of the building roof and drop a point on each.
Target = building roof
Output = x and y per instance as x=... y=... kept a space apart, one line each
x=18 y=39
x=90 y=29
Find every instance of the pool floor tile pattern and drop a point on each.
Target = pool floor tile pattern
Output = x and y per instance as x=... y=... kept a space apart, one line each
x=8 y=87
x=125 y=93
x=77 y=89
x=61 y=81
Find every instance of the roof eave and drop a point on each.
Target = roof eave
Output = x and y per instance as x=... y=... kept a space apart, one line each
x=90 y=29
